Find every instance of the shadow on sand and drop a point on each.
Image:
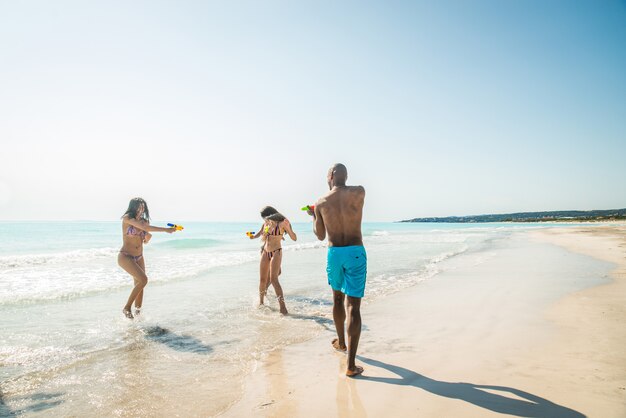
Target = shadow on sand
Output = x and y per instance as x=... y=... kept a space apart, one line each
x=325 y=322
x=531 y=406
x=175 y=341
x=39 y=402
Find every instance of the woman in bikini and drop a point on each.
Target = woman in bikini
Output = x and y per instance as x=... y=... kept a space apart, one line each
x=274 y=227
x=136 y=230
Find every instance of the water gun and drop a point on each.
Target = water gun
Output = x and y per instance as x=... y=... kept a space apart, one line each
x=250 y=234
x=309 y=207
x=178 y=227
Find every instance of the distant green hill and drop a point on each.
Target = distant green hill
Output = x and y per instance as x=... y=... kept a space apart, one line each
x=553 y=216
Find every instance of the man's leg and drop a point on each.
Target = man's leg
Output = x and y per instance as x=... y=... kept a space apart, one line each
x=339 y=317
x=354 y=334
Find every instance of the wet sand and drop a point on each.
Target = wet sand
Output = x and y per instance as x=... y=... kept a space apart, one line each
x=531 y=327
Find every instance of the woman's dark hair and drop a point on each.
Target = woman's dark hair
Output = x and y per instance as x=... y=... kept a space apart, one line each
x=271 y=214
x=133 y=207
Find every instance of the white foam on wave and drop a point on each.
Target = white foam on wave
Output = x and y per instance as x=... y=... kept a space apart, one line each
x=442 y=237
x=32 y=363
x=385 y=284
x=166 y=269
x=10 y=262
x=380 y=233
x=33 y=358
x=306 y=246
x=85 y=272
x=447 y=237
x=79 y=273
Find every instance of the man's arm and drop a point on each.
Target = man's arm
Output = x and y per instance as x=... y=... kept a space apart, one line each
x=319 y=229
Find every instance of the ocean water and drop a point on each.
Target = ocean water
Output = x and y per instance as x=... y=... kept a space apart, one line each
x=65 y=347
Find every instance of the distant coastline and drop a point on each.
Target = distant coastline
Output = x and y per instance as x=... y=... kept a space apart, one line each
x=552 y=216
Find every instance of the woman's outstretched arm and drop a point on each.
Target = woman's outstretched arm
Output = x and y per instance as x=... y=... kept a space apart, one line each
x=144 y=226
x=258 y=234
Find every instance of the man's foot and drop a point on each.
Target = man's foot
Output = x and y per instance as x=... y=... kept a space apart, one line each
x=137 y=311
x=338 y=346
x=127 y=313
x=356 y=372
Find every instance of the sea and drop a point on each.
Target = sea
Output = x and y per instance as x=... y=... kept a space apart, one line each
x=67 y=350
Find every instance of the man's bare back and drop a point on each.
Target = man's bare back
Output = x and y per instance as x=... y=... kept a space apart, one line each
x=339 y=213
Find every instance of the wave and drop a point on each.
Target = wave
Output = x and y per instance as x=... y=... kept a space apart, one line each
x=305 y=246
x=386 y=284
x=30 y=282
x=31 y=278
x=74 y=274
x=188 y=243
x=14 y=261
x=34 y=358
x=379 y=233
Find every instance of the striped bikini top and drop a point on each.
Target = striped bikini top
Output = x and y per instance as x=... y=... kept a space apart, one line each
x=273 y=231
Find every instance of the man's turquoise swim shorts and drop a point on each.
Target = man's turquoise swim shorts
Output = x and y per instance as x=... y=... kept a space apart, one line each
x=346 y=268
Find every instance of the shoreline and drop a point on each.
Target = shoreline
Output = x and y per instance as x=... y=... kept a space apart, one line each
x=594 y=318
x=522 y=356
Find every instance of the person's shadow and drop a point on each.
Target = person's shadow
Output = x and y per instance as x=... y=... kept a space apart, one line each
x=178 y=342
x=39 y=402
x=531 y=406
x=325 y=322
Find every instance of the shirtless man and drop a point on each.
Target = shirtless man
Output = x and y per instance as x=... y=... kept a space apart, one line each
x=339 y=214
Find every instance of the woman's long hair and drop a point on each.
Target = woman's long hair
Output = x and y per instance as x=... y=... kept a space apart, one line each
x=133 y=207
x=271 y=214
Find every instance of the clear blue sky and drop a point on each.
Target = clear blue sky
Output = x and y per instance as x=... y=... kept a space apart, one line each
x=210 y=110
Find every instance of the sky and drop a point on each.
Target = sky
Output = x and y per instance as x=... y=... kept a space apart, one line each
x=210 y=110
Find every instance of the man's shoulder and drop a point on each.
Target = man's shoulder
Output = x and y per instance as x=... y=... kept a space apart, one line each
x=322 y=200
x=357 y=189
x=336 y=194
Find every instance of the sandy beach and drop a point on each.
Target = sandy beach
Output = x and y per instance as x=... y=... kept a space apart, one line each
x=181 y=179
x=534 y=328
